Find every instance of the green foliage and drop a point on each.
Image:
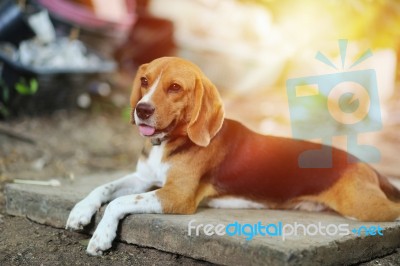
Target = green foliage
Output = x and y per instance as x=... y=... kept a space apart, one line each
x=4 y=112
x=23 y=88
x=126 y=113
x=5 y=90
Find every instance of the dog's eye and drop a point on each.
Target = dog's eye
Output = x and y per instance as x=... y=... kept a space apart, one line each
x=174 y=88
x=144 y=82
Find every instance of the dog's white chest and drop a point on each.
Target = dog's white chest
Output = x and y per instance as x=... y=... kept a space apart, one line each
x=153 y=168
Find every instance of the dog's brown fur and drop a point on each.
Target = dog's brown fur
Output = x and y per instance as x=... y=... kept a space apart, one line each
x=215 y=157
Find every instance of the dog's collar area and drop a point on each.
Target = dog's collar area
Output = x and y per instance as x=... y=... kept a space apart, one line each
x=156 y=141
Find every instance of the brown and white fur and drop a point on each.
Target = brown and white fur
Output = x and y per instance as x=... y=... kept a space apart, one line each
x=193 y=154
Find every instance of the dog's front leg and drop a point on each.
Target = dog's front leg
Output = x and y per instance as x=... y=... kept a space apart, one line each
x=163 y=200
x=83 y=211
x=116 y=210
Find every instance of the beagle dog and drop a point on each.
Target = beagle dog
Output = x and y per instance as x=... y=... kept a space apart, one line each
x=193 y=154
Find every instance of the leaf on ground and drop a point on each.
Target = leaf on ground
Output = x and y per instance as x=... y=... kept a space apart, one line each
x=84 y=242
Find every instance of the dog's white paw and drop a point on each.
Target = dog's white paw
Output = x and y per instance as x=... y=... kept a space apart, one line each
x=81 y=214
x=102 y=239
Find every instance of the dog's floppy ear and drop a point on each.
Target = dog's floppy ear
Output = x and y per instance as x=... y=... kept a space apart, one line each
x=207 y=114
x=136 y=94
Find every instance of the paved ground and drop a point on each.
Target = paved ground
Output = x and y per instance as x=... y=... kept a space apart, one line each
x=23 y=242
x=170 y=233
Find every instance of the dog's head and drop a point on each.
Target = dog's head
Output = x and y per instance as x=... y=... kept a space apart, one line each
x=171 y=96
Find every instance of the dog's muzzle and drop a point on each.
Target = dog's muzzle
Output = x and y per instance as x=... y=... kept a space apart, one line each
x=144 y=110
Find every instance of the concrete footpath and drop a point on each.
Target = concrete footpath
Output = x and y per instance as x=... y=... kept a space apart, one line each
x=51 y=206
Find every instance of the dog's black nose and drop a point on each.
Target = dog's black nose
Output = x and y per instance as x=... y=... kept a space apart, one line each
x=144 y=110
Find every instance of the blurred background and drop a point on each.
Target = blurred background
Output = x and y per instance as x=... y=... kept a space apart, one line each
x=66 y=68
x=283 y=67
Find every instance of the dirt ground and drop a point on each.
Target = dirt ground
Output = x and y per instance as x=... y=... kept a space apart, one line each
x=23 y=242
x=67 y=145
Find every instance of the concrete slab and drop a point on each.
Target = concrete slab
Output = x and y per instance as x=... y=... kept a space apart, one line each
x=51 y=206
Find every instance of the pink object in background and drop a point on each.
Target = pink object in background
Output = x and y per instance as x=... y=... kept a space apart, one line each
x=103 y=35
x=83 y=16
x=110 y=10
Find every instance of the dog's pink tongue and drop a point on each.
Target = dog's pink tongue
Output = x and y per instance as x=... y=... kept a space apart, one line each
x=146 y=130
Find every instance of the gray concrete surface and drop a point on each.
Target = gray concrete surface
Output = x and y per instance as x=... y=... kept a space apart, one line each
x=51 y=206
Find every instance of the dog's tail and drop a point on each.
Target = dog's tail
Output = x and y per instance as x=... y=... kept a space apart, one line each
x=392 y=191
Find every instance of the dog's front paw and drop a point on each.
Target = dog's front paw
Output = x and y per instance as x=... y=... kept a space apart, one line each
x=102 y=239
x=81 y=214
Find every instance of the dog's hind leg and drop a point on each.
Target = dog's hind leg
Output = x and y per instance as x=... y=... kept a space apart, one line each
x=391 y=191
x=358 y=195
